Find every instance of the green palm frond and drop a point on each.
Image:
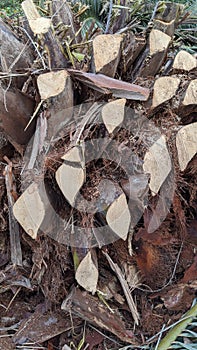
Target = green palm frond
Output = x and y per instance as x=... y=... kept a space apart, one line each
x=181 y=335
x=90 y=14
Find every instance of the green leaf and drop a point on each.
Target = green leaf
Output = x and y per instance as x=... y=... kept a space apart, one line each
x=79 y=56
x=178 y=329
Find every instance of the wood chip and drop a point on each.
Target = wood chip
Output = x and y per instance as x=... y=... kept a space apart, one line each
x=191 y=94
x=73 y=155
x=38 y=24
x=113 y=114
x=89 y=308
x=157 y=163
x=184 y=61
x=87 y=274
x=52 y=83
x=70 y=179
x=158 y=41
x=164 y=89
x=118 y=216
x=30 y=10
x=186 y=143
x=29 y=210
x=60 y=108
x=106 y=53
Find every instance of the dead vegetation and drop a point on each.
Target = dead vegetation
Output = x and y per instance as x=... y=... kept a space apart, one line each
x=98 y=178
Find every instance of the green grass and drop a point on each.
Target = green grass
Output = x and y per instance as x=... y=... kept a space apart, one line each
x=10 y=7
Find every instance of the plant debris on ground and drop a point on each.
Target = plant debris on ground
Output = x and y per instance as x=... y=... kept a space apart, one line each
x=98 y=218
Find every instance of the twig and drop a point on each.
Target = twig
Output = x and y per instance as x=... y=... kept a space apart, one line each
x=150 y=340
x=30 y=346
x=11 y=301
x=17 y=58
x=16 y=253
x=154 y=12
x=34 y=114
x=133 y=24
x=69 y=16
x=160 y=335
x=103 y=334
x=91 y=112
x=109 y=16
x=5 y=91
x=125 y=288
x=35 y=46
x=39 y=137
x=4 y=75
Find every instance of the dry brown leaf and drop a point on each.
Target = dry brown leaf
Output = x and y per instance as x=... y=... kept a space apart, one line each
x=164 y=89
x=29 y=210
x=40 y=326
x=157 y=163
x=184 y=61
x=91 y=309
x=113 y=114
x=118 y=216
x=186 y=143
x=51 y=84
x=158 y=41
x=107 y=85
x=70 y=179
x=87 y=274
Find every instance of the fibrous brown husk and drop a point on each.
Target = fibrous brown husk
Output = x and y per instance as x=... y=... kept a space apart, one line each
x=148 y=217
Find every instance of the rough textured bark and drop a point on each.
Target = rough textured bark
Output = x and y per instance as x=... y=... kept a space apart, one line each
x=16 y=109
x=94 y=311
